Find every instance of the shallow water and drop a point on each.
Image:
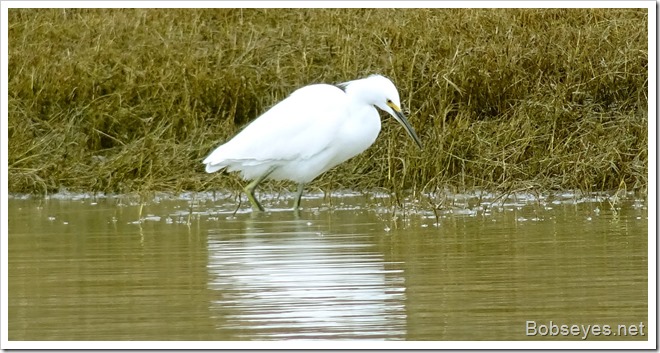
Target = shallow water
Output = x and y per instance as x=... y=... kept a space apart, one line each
x=352 y=266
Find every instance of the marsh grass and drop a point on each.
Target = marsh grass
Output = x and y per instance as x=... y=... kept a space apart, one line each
x=119 y=100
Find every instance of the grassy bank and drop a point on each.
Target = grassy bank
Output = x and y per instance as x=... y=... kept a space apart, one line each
x=133 y=100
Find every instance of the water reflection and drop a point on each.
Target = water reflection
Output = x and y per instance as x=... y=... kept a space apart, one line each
x=282 y=280
x=185 y=268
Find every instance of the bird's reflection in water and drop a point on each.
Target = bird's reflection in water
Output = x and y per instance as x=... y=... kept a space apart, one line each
x=281 y=280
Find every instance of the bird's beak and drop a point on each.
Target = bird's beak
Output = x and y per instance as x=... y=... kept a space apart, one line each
x=398 y=115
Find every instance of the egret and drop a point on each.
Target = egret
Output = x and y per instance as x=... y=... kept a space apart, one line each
x=316 y=128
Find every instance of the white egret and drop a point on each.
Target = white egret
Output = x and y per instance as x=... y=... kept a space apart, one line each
x=316 y=128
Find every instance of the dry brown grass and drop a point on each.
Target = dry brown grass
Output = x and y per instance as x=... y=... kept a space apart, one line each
x=131 y=100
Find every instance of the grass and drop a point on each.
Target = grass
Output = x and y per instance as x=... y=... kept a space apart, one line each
x=121 y=100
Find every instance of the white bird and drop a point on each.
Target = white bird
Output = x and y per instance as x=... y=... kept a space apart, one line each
x=316 y=128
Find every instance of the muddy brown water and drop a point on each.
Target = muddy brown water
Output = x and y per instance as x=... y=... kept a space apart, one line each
x=350 y=267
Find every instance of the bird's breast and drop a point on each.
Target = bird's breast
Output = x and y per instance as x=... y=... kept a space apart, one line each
x=358 y=132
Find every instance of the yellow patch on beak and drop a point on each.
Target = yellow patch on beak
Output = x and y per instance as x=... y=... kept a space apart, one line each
x=394 y=106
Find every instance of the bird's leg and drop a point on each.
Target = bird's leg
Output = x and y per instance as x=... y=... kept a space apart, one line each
x=252 y=186
x=296 y=202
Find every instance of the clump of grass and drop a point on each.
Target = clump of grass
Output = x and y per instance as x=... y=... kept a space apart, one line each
x=132 y=100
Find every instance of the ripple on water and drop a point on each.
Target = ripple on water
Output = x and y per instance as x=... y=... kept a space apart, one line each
x=351 y=266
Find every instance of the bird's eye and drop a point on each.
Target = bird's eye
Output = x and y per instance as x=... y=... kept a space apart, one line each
x=389 y=101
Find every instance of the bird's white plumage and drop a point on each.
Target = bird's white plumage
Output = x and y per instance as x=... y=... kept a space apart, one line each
x=316 y=128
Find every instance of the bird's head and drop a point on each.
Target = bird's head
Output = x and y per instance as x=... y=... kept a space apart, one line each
x=383 y=94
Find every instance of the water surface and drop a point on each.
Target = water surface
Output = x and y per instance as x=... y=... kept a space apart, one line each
x=84 y=267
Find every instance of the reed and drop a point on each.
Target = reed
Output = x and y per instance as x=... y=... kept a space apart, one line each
x=119 y=100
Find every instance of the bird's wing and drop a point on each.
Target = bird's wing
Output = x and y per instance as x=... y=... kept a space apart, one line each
x=298 y=127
